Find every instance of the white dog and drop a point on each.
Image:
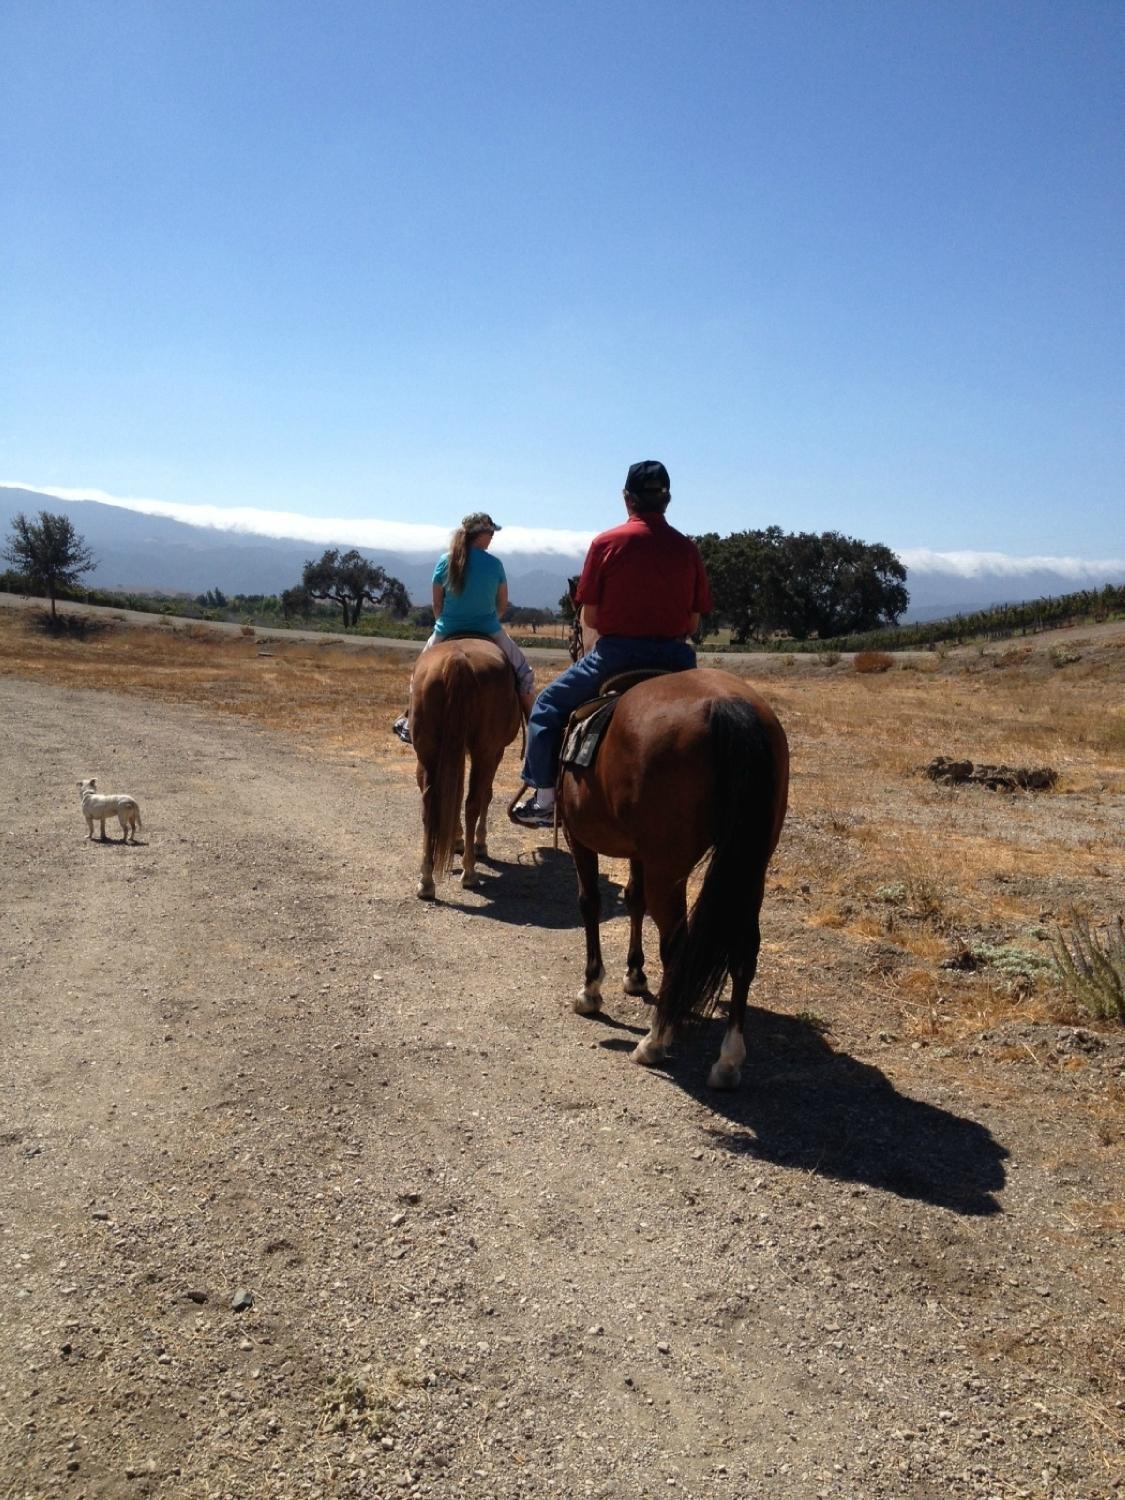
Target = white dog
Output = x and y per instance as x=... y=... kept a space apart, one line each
x=95 y=808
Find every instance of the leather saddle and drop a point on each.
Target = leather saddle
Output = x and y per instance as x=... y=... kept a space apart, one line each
x=589 y=721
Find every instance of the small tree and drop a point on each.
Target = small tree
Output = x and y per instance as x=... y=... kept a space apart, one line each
x=349 y=580
x=529 y=615
x=296 y=601
x=49 y=552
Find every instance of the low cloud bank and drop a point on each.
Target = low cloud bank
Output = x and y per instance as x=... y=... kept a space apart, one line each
x=391 y=536
x=1002 y=565
x=426 y=540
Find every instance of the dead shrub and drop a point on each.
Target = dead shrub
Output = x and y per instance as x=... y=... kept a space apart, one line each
x=873 y=661
x=1062 y=656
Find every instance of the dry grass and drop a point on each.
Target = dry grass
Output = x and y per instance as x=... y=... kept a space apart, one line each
x=324 y=694
x=875 y=854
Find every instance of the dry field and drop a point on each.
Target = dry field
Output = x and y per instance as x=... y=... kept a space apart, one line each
x=913 y=1209
x=919 y=871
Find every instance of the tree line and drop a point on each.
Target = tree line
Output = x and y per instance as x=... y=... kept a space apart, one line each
x=803 y=590
x=800 y=585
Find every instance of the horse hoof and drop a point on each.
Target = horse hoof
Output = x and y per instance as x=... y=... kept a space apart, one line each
x=481 y=851
x=723 y=1076
x=587 y=1005
x=426 y=890
x=635 y=984
x=645 y=1055
x=470 y=882
x=459 y=847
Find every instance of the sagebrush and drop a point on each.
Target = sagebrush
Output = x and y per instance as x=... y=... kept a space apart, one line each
x=1092 y=970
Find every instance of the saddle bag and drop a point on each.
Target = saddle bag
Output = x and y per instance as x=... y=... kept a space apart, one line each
x=589 y=721
x=584 y=732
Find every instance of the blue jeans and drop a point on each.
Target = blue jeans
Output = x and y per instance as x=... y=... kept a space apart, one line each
x=579 y=683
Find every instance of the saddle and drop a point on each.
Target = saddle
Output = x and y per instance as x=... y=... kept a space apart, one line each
x=589 y=721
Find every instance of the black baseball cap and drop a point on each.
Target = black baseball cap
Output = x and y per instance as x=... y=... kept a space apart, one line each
x=648 y=478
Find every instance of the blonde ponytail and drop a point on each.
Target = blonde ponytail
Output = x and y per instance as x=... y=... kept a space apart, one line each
x=458 y=560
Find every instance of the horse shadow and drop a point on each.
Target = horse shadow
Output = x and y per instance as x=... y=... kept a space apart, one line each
x=539 y=889
x=804 y=1105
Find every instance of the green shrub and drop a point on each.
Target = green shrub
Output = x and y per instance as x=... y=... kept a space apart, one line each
x=1092 y=970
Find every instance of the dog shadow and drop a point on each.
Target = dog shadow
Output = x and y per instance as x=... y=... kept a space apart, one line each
x=805 y=1105
x=108 y=843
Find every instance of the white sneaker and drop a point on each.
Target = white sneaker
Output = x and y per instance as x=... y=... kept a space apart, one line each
x=529 y=814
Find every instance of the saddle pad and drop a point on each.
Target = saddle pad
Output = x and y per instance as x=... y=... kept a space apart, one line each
x=583 y=735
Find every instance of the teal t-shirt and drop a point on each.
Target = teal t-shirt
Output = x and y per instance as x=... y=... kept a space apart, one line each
x=474 y=608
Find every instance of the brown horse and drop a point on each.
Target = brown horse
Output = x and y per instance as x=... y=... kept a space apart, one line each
x=463 y=702
x=691 y=762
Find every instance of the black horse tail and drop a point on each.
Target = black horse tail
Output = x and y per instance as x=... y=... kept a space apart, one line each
x=447 y=783
x=721 y=933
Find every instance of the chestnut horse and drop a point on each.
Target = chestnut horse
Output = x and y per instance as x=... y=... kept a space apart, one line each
x=692 y=762
x=463 y=702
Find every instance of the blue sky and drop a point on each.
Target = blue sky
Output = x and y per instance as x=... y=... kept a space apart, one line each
x=840 y=265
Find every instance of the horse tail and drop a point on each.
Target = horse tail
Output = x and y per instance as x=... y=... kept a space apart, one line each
x=447 y=783
x=721 y=933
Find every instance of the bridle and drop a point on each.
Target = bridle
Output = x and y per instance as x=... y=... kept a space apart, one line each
x=575 y=645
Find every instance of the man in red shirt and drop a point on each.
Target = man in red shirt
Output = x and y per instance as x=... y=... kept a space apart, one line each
x=643 y=589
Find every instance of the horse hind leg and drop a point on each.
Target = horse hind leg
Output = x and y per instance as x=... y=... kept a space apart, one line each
x=426 y=890
x=636 y=981
x=726 y=1072
x=480 y=842
x=667 y=901
x=589 y=999
x=476 y=810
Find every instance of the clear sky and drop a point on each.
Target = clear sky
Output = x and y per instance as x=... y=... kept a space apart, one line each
x=839 y=264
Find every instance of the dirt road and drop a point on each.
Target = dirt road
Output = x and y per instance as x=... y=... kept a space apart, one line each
x=480 y=1253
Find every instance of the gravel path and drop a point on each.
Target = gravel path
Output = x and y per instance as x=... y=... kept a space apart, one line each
x=478 y=1252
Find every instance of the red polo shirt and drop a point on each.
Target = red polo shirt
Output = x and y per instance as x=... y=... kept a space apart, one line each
x=644 y=578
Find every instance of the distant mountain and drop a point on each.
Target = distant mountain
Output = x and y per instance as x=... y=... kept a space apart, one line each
x=938 y=595
x=153 y=553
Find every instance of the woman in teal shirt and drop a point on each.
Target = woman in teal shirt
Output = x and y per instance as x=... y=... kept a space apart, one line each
x=470 y=592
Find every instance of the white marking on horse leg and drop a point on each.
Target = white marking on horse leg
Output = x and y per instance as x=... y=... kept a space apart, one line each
x=480 y=839
x=651 y=1049
x=426 y=890
x=635 y=982
x=727 y=1071
x=588 y=1001
x=469 y=877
